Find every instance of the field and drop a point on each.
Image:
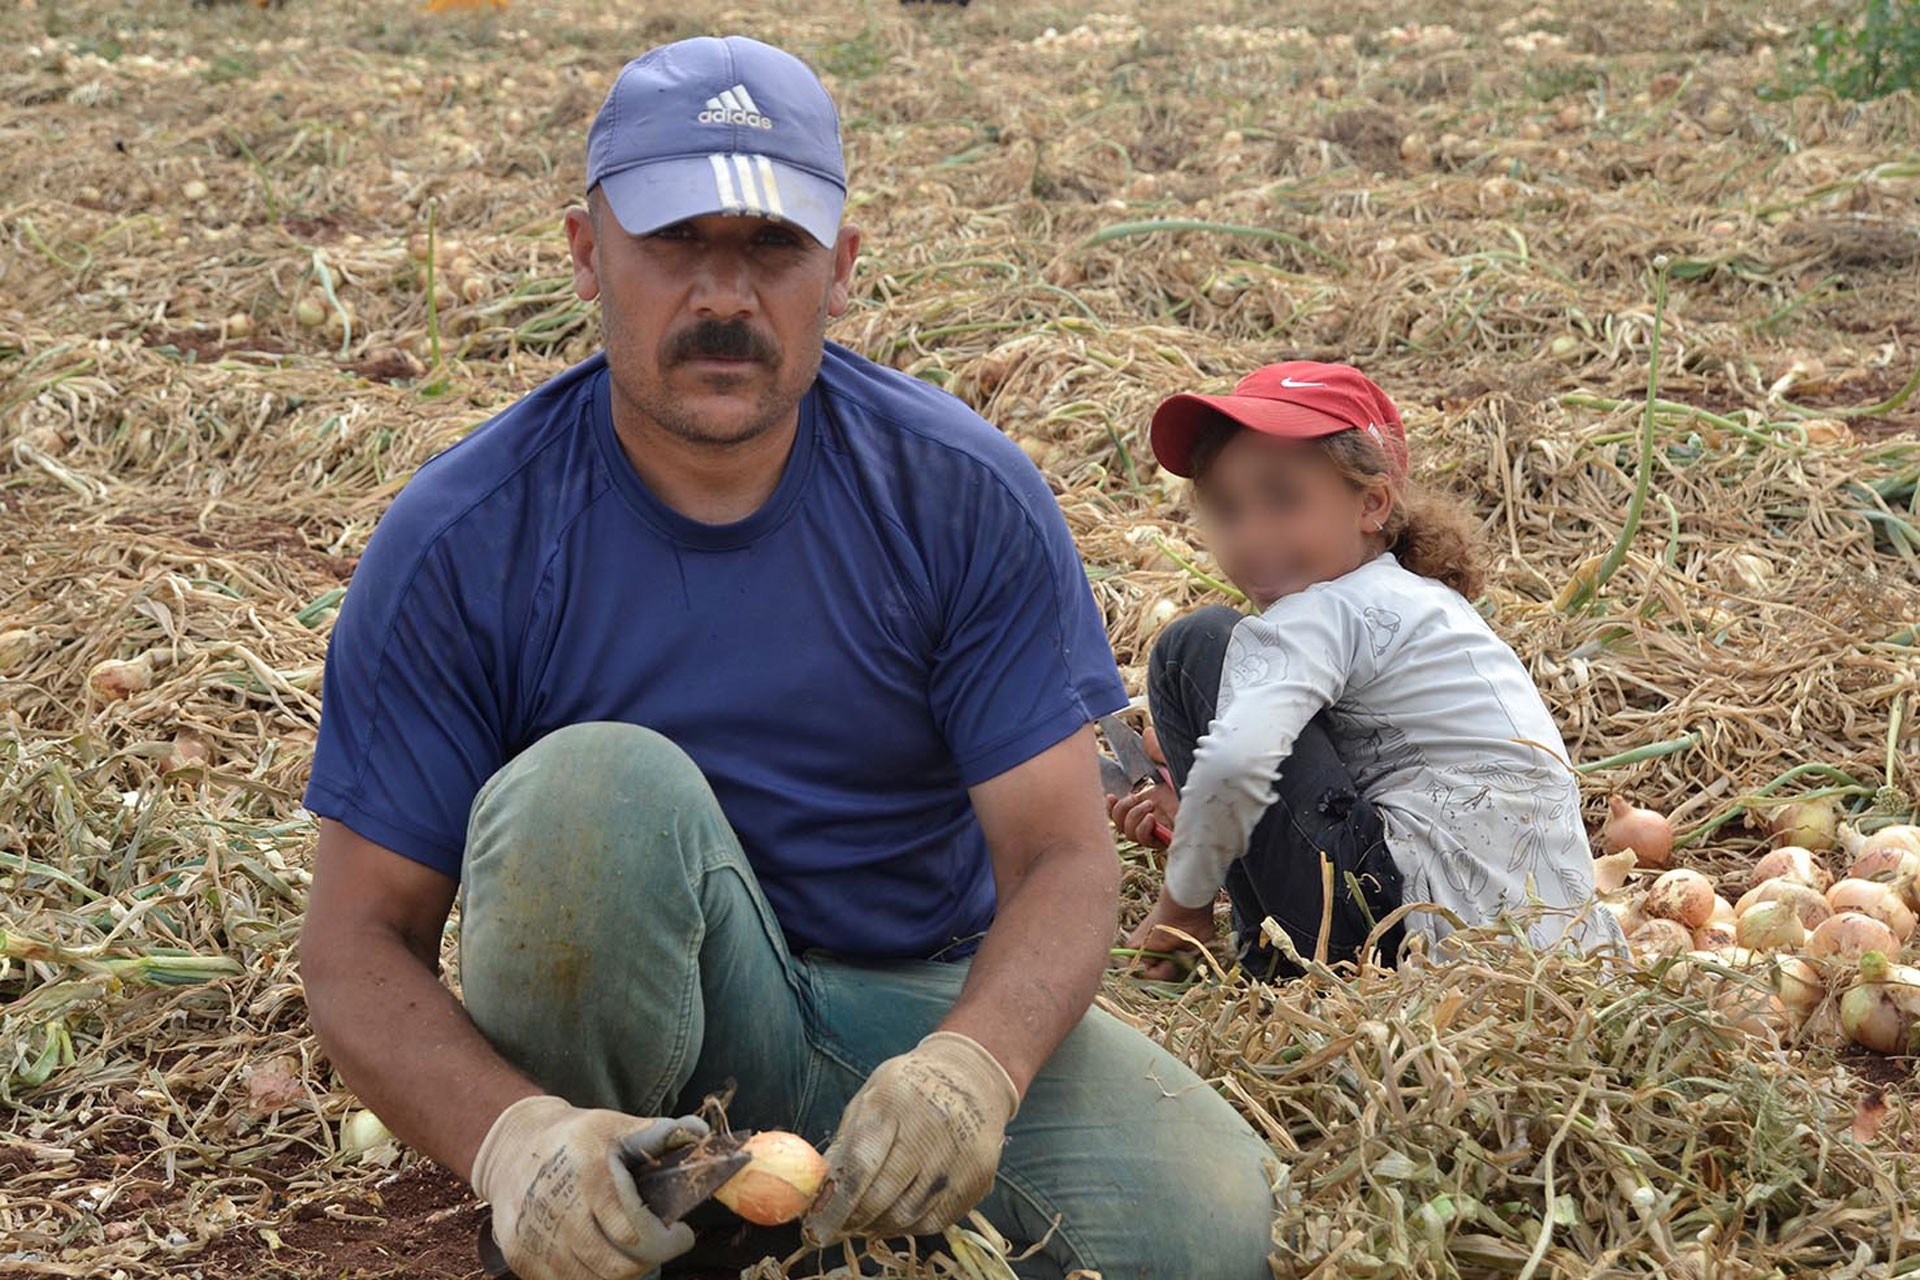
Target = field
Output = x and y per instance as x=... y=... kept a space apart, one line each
x=255 y=266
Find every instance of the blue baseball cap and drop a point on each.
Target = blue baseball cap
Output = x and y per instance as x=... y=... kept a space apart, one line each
x=713 y=125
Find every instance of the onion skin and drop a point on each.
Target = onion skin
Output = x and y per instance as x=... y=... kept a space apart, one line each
x=1880 y=1011
x=1808 y=904
x=779 y=1183
x=1887 y=862
x=1848 y=936
x=1658 y=938
x=1800 y=986
x=1716 y=936
x=1722 y=912
x=1792 y=863
x=1771 y=926
x=1610 y=872
x=1871 y=898
x=1626 y=914
x=1810 y=824
x=1646 y=831
x=115 y=679
x=1685 y=896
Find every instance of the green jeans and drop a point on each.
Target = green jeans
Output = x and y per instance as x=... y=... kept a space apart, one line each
x=617 y=948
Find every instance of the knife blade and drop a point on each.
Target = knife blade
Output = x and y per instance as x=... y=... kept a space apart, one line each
x=671 y=1186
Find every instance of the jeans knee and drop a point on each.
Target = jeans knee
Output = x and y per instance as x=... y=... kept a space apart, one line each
x=1195 y=638
x=582 y=768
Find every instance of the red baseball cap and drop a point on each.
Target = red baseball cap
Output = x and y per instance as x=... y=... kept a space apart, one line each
x=1297 y=400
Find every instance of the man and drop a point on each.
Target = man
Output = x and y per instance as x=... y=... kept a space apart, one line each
x=741 y=689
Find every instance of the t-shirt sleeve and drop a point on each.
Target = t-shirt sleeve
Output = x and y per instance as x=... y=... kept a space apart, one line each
x=1282 y=669
x=409 y=725
x=1023 y=659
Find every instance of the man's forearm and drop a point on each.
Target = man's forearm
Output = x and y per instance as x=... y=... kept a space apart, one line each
x=405 y=1046
x=1040 y=964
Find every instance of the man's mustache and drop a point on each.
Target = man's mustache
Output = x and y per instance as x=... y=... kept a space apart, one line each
x=722 y=340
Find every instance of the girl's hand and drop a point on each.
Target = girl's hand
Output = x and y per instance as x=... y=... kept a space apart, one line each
x=1151 y=935
x=1136 y=816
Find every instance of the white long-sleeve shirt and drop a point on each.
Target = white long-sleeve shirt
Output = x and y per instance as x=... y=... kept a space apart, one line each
x=1441 y=726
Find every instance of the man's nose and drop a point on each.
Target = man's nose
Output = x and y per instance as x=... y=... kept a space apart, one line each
x=723 y=285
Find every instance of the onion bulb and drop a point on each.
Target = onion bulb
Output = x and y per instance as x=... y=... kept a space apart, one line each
x=1771 y=926
x=1791 y=862
x=1626 y=914
x=1848 y=936
x=1610 y=872
x=361 y=1132
x=1884 y=863
x=1716 y=936
x=1657 y=938
x=1800 y=986
x=117 y=679
x=1871 y=898
x=1879 y=1012
x=1903 y=838
x=1810 y=824
x=1686 y=896
x=1722 y=912
x=782 y=1177
x=1806 y=902
x=1645 y=831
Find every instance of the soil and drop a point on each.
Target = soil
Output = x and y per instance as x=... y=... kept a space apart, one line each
x=423 y=1225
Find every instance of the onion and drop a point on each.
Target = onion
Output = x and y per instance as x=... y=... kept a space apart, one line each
x=1807 y=903
x=1905 y=838
x=1871 y=898
x=1850 y=935
x=1880 y=1010
x=1800 y=986
x=362 y=1131
x=1645 y=831
x=1722 y=912
x=1792 y=863
x=1686 y=896
x=1716 y=936
x=1626 y=914
x=1660 y=938
x=782 y=1177
x=1771 y=926
x=116 y=679
x=1884 y=863
x=1610 y=872
x=1811 y=824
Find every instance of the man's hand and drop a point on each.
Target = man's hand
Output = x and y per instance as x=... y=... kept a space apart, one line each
x=1151 y=935
x=919 y=1144
x=564 y=1205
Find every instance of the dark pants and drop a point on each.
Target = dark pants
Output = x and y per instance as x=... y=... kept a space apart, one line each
x=1318 y=812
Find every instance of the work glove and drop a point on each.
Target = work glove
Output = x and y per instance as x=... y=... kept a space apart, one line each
x=919 y=1144
x=564 y=1205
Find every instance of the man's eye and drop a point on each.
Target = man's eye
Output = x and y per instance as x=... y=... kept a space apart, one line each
x=678 y=231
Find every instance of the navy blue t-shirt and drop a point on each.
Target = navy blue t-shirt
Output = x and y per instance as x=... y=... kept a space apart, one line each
x=906 y=616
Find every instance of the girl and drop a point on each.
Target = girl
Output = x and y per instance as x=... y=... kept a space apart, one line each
x=1365 y=715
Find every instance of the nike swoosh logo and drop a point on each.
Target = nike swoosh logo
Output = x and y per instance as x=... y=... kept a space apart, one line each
x=1289 y=382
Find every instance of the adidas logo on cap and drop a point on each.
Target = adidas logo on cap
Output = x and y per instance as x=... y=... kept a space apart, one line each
x=735 y=106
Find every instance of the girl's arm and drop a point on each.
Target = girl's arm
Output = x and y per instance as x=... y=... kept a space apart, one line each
x=1282 y=669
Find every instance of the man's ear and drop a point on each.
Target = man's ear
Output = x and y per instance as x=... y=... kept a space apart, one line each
x=846 y=252
x=580 y=245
